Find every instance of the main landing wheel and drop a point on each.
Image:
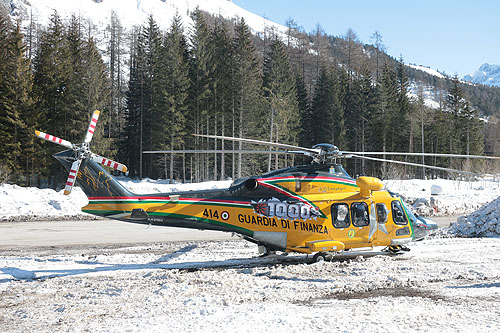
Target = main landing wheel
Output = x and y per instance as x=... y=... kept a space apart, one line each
x=322 y=256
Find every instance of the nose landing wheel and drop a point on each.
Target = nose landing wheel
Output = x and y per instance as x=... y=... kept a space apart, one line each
x=397 y=249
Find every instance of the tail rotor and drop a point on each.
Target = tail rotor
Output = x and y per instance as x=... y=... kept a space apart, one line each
x=82 y=152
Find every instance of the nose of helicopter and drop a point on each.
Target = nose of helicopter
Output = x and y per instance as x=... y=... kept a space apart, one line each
x=420 y=230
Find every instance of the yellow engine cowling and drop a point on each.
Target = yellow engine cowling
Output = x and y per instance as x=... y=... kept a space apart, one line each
x=368 y=184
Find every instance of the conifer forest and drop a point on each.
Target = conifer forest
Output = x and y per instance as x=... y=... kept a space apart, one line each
x=156 y=88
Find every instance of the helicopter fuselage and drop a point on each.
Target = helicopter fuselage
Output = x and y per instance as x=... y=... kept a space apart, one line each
x=300 y=209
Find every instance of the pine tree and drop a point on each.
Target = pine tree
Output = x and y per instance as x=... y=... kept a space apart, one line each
x=467 y=137
x=176 y=91
x=201 y=84
x=136 y=102
x=279 y=89
x=154 y=65
x=144 y=100
x=5 y=88
x=304 y=104
x=95 y=97
x=222 y=92
x=326 y=117
x=362 y=107
x=76 y=113
x=401 y=118
x=383 y=130
x=52 y=71
x=247 y=110
x=116 y=65
x=16 y=105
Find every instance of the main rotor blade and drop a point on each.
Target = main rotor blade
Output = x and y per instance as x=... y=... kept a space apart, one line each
x=72 y=176
x=54 y=139
x=109 y=163
x=419 y=165
x=92 y=125
x=212 y=151
x=420 y=154
x=259 y=142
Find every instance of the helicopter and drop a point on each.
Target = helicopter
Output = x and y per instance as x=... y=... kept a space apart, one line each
x=316 y=208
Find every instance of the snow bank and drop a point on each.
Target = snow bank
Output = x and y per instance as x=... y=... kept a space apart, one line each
x=484 y=222
x=31 y=204
x=163 y=186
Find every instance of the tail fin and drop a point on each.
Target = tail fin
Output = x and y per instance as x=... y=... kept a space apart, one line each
x=94 y=180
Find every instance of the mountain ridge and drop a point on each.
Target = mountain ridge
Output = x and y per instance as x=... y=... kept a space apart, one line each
x=487 y=74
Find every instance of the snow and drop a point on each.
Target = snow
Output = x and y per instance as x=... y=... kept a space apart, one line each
x=487 y=74
x=428 y=70
x=431 y=100
x=136 y=12
x=457 y=197
x=484 y=222
x=442 y=285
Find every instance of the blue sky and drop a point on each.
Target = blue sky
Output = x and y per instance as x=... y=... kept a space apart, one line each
x=451 y=36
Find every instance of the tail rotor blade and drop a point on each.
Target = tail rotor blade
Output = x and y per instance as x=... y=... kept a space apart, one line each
x=72 y=176
x=54 y=139
x=109 y=163
x=92 y=125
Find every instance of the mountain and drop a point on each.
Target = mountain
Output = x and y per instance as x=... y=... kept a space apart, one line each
x=133 y=12
x=486 y=74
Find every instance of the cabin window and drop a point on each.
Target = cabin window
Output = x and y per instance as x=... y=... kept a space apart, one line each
x=340 y=216
x=382 y=213
x=398 y=214
x=360 y=216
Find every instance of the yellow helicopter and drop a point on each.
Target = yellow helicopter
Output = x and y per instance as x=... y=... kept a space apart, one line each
x=316 y=208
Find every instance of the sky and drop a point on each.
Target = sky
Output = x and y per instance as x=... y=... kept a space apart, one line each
x=454 y=37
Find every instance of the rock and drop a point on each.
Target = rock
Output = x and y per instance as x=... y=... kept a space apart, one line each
x=436 y=189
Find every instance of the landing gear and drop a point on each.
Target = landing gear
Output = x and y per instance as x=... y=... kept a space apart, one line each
x=322 y=256
x=265 y=251
x=397 y=249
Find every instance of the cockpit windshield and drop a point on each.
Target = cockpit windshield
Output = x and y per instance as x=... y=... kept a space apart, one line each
x=338 y=171
x=412 y=217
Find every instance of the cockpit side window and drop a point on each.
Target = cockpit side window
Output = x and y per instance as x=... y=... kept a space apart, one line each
x=360 y=216
x=340 y=215
x=382 y=213
x=398 y=214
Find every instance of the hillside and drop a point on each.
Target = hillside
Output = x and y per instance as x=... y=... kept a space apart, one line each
x=158 y=80
x=135 y=12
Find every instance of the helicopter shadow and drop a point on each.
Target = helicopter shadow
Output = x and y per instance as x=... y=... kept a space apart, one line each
x=21 y=274
x=162 y=263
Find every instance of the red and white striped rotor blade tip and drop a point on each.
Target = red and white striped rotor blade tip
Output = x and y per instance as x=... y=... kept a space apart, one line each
x=109 y=163
x=54 y=139
x=92 y=125
x=72 y=176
